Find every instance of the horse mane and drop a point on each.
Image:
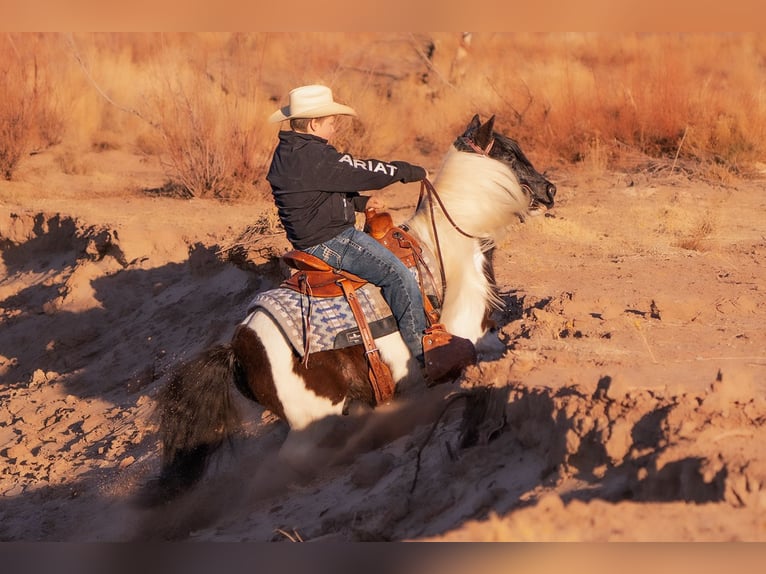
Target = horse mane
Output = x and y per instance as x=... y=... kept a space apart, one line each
x=495 y=194
x=481 y=195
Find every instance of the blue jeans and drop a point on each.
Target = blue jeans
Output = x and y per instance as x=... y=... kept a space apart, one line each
x=359 y=253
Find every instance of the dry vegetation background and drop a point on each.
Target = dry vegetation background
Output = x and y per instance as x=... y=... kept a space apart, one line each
x=198 y=101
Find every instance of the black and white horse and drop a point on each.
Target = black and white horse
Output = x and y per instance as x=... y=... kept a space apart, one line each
x=484 y=185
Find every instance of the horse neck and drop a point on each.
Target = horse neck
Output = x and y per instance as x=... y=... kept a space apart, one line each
x=467 y=290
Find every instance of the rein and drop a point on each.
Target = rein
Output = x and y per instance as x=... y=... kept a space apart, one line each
x=427 y=190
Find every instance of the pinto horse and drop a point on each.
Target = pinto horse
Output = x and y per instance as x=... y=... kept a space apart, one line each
x=484 y=185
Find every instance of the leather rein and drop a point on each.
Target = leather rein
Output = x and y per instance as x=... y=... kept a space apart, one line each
x=427 y=190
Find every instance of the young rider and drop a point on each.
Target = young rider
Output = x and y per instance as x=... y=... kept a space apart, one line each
x=316 y=190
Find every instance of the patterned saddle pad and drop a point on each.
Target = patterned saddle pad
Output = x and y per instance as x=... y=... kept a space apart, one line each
x=332 y=323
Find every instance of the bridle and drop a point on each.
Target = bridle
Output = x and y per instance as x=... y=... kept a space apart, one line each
x=481 y=151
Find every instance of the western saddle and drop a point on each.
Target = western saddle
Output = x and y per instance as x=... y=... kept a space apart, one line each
x=445 y=355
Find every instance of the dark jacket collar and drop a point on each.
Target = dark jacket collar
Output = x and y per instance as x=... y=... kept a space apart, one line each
x=293 y=137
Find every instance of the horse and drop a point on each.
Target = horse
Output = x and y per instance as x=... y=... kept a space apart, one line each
x=485 y=184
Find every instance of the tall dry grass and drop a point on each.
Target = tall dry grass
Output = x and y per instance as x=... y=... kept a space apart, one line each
x=199 y=100
x=30 y=110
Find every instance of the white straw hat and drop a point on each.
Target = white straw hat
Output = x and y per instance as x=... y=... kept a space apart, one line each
x=313 y=101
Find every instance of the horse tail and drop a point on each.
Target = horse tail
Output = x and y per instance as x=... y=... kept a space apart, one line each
x=197 y=414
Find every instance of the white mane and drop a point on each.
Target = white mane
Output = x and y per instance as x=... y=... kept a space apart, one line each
x=482 y=196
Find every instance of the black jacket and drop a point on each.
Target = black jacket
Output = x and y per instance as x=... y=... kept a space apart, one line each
x=316 y=187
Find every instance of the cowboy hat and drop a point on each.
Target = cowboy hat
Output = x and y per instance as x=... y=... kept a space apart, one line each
x=313 y=101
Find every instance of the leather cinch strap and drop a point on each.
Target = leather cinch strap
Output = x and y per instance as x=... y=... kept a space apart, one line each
x=380 y=375
x=305 y=289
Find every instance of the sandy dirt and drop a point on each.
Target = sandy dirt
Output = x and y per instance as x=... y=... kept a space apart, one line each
x=626 y=402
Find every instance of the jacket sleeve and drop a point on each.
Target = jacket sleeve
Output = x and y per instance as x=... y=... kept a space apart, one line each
x=338 y=172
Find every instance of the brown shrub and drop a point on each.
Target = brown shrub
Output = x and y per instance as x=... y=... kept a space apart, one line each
x=577 y=98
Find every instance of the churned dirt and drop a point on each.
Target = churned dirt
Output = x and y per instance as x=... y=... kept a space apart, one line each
x=626 y=403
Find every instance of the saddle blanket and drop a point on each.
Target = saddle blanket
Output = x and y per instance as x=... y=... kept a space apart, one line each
x=332 y=324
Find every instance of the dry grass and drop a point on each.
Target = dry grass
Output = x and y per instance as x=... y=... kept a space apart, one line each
x=199 y=101
x=696 y=237
x=30 y=111
x=72 y=163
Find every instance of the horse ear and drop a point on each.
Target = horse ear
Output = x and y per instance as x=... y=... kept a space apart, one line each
x=484 y=134
x=472 y=127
